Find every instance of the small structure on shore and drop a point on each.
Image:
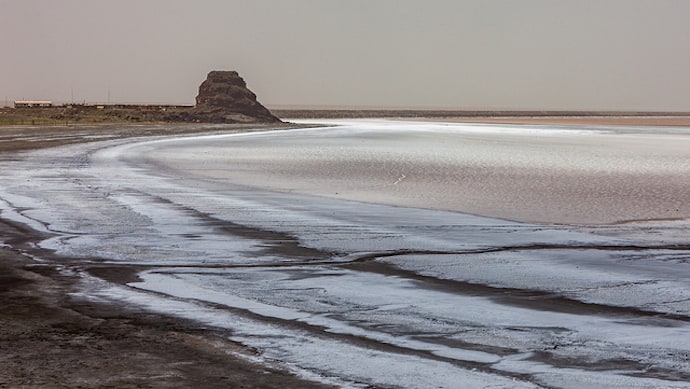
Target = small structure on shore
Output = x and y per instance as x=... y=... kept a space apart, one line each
x=32 y=103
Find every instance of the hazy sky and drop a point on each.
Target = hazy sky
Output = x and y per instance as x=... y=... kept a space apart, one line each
x=465 y=54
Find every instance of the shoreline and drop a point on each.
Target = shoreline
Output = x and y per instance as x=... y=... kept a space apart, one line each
x=653 y=121
x=27 y=137
x=499 y=117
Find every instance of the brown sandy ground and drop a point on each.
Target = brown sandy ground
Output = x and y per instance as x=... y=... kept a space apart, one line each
x=49 y=339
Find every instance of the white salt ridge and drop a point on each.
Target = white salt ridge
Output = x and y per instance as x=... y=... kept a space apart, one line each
x=331 y=358
x=354 y=291
x=189 y=288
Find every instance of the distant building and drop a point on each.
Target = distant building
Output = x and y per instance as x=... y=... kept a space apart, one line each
x=32 y=103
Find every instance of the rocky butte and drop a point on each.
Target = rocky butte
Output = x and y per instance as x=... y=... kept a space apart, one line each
x=224 y=98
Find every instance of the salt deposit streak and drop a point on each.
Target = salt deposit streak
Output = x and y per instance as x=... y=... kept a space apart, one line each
x=339 y=251
x=302 y=350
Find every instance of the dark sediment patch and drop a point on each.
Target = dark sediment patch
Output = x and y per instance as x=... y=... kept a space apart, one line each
x=116 y=274
x=632 y=367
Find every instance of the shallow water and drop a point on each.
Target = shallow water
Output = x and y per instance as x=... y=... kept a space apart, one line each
x=588 y=175
x=267 y=237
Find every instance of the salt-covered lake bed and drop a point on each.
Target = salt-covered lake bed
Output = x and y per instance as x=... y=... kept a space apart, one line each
x=354 y=253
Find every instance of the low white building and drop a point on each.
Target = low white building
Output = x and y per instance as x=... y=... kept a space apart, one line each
x=32 y=103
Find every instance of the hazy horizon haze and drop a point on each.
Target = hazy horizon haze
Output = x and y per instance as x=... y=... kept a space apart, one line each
x=533 y=54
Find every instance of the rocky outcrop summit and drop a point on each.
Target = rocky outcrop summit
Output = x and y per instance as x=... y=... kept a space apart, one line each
x=224 y=98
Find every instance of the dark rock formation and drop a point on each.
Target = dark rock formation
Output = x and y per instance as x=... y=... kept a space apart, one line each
x=224 y=98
